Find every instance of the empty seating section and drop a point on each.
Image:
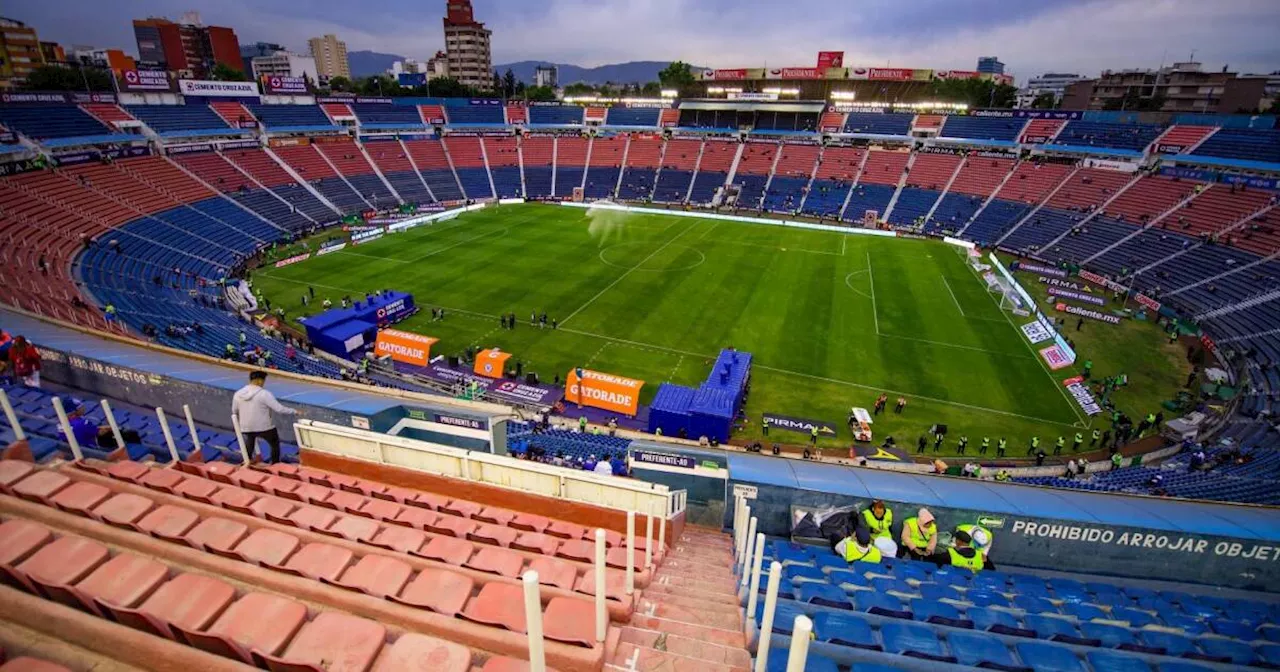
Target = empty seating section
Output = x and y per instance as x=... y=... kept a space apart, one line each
x=107 y=113
x=41 y=122
x=632 y=116
x=595 y=114
x=837 y=170
x=217 y=171
x=1148 y=198
x=311 y=166
x=337 y=111
x=390 y=115
x=983 y=128
x=571 y=164
x=1077 y=199
x=1243 y=144
x=831 y=122
x=884 y=167
x=864 y=197
x=977 y=179
x=1006 y=621
x=715 y=119
x=1133 y=137
x=471 y=115
x=432 y=114
x=787 y=122
x=644 y=155
x=433 y=164
x=468 y=161
x=517 y=114
x=270 y=174
x=713 y=169
x=211 y=557
x=795 y=165
x=1181 y=137
x=669 y=117
x=504 y=164
x=538 y=155
x=176 y=119
x=679 y=162
x=393 y=160
x=348 y=159
x=1040 y=131
x=753 y=171
x=285 y=116
x=889 y=123
x=233 y=113
x=1029 y=184
x=605 y=161
x=555 y=115
x=928 y=121
x=928 y=176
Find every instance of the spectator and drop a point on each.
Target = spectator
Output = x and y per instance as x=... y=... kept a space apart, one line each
x=24 y=359
x=919 y=536
x=86 y=432
x=604 y=466
x=961 y=553
x=252 y=407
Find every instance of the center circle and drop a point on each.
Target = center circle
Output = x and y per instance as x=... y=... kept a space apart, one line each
x=683 y=261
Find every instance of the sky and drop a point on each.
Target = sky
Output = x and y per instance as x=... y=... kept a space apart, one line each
x=1029 y=36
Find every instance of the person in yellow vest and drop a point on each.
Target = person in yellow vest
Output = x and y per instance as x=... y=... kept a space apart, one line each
x=919 y=536
x=961 y=553
x=878 y=520
x=858 y=547
x=979 y=537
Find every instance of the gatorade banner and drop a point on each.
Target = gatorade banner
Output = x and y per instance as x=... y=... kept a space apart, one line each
x=404 y=346
x=603 y=390
x=490 y=362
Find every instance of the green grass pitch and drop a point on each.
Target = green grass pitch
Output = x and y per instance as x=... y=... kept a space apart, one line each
x=832 y=319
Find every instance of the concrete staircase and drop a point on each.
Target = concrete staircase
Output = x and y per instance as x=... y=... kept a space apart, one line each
x=688 y=617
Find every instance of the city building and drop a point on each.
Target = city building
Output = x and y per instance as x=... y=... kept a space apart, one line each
x=20 y=52
x=438 y=66
x=186 y=46
x=546 y=75
x=1051 y=82
x=990 y=65
x=284 y=64
x=53 y=52
x=330 y=55
x=1181 y=87
x=248 y=52
x=407 y=66
x=466 y=45
x=110 y=59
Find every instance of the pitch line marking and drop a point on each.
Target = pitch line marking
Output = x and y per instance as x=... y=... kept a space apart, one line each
x=844 y=241
x=421 y=235
x=624 y=276
x=713 y=228
x=849 y=277
x=659 y=348
x=875 y=312
x=953 y=296
x=593 y=357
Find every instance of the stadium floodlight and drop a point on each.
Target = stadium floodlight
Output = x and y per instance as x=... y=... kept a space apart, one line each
x=670 y=93
x=843 y=95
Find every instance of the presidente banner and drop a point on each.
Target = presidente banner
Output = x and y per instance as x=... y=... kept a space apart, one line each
x=205 y=87
x=490 y=362
x=802 y=425
x=404 y=346
x=603 y=390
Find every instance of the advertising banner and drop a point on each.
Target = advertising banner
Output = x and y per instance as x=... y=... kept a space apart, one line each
x=958 y=74
x=801 y=425
x=404 y=346
x=509 y=391
x=1036 y=332
x=603 y=390
x=204 y=87
x=459 y=421
x=330 y=248
x=730 y=74
x=1040 y=270
x=36 y=97
x=490 y=362
x=1148 y=302
x=1111 y=164
x=891 y=74
x=663 y=459
x=1080 y=392
x=1065 y=284
x=95 y=155
x=1054 y=357
x=293 y=260
x=411 y=79
x=1077 y=296
x=368 y=236
x=797 y=73
x=830 y=59
x=285 y=86
x=142 y=81
x=885 y=453
x=1089 y=313
x=1090 y=276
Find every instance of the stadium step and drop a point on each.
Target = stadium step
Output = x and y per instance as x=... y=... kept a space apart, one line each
x=659 y=590
x=701 y=632
x=720 y=611
x=684 y=646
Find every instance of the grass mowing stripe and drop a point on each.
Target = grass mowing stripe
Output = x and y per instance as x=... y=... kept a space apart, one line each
x=871 y=275
x=953 y=296
x=624 y=275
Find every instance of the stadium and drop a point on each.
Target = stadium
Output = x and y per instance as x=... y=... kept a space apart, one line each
x=733 y=384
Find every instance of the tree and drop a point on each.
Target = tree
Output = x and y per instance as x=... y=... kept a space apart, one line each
x=339 y=83
x=540 y=93
x=579 y=89
x=676 y=75
x=75 y=78
x=224 y=73
x=1045 y=101
x=509 y=84
x=448 y=87
x=378 y=85
x=651 y=90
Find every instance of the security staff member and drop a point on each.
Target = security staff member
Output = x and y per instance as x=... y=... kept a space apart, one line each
x=813 y=435
x=980 y=537
x=962 y=554
x=1093 y=440
x=919 y=536
x=878 y=519
x=986 y=443
x=1035 y=444
x=1057 y=445
x=1075 y=443
x=1000 y=447
x=964 y=443
x=858 y=547
x=764 y=425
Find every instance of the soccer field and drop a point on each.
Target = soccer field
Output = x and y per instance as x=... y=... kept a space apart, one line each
x=832 y=319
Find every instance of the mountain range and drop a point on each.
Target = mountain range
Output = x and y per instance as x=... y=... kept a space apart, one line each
x=366 y=63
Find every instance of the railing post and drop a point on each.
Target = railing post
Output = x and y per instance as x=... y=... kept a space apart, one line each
x=801 y=632
x=662 y=534
x=191 y=426
x=754 y=587
x=66 y=429
x=111 y=420
x=533 y=622
x=244 y=449
x=18 y=433
x=602 y=615
x=648 y=541
x=168 y=435
x=631 y=552
x=766 y=619
x=751 y=550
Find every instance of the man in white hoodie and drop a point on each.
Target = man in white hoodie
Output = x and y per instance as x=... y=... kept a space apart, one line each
x=252 y=407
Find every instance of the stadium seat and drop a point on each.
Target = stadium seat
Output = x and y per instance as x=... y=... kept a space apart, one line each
x=981 y=650
x=814 y=663
x=914 y=640
x=824 y=594
x=1043 y=657
x=844 y=629
x=1113 y=661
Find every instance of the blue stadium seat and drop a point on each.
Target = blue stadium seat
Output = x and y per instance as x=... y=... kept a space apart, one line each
x=1051 y=627
x=1044 y=657
x=786 y=552
x=1178 y=666
x=1234 y=629
x=1083 y=611
x=824 y=594
x=1108 y=635
x=1114 y=661
x=1134 y=617
x=784 y=616
x=987 y=598
x=912 y=639
x=814 y=663
x=1034 y=605
x=873 y=667
x=981 y=650
x=996 y=620
x=1228 y=650
x=935 y=591
x=1270 y=654
x=1188 y=624
x=844 y=629
x=1172 y=644
x=881 y=604
x=931 y=611
x=801 y=573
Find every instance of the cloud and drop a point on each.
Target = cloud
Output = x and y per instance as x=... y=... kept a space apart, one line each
x=1031 y=36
